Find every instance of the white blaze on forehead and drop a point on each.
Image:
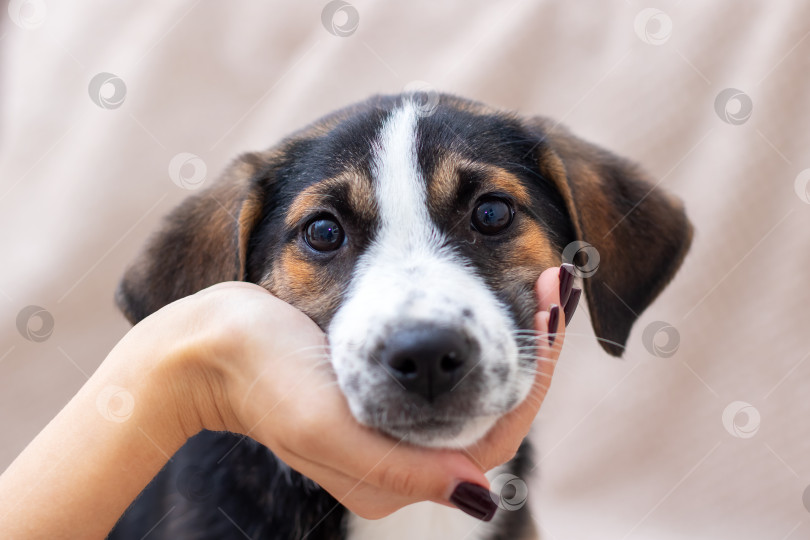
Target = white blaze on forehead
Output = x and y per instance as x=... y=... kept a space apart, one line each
x=400 y=188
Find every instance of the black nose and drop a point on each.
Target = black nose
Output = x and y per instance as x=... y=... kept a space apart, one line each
x=427 y=360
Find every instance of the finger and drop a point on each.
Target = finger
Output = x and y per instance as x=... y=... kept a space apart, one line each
x=550 y=320
x=566 y=282
x=234 y=285
x=547 y=288
x=571 y=305
x=332 y=438
x=404 y=474
x=360 y=497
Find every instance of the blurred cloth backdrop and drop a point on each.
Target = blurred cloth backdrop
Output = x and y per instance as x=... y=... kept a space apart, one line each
x=701 y=433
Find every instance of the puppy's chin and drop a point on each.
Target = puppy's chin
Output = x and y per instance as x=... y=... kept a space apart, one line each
x=444 y=434
x=437 y=433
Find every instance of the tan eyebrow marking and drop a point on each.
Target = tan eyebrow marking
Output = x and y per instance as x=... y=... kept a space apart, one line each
x=304 y=202
x=503 y=180
x=445 y=181
x=444 y=184
x=361 y=197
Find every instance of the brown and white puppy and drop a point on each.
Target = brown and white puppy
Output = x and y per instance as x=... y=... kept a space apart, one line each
x=412 y=236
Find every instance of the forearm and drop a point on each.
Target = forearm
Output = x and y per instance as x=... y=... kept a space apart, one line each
x=81 y=472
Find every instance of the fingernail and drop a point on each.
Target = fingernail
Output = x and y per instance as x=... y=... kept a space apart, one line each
x=553 y=320
x=571 y=306
x=566 y=282
x=474 y=500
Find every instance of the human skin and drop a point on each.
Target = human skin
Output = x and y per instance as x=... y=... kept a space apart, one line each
x=235 y=358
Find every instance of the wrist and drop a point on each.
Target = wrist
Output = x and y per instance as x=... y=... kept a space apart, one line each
x=168 y=368
x=111 y=439
x=187 y=369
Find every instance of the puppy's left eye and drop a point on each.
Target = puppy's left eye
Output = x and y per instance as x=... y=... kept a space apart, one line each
x=492 y=215
x=324 y=234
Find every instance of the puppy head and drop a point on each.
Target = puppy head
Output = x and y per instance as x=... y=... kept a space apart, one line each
x=414 y=241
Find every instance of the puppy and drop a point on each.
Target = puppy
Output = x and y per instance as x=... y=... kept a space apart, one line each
x=412 y=235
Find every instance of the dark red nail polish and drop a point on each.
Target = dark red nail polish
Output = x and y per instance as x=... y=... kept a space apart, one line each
x=566 y=282
x=553 y=321
x=571 y=306
x=474 y=500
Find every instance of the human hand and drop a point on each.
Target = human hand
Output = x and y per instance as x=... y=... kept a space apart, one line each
x=233 y=357
x=273 y=383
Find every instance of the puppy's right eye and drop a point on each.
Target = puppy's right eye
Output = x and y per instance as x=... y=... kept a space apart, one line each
x=492 y=215
x=324 y=234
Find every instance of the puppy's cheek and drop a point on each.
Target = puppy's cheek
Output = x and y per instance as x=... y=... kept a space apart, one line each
x=524 y=383
x=509 y=362
x=305 y=285
x=357 y=385
x=530 y=252
x=523 y=259
x=499 y=373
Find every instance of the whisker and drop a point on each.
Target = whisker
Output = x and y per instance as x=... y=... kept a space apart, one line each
x=322 y=349
x=528 y=356
x=536 y=373
x=326 y=385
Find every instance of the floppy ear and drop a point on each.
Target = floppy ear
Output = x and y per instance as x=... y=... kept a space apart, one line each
x=203 y=241
x=641 y=234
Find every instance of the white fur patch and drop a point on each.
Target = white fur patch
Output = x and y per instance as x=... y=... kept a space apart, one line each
x=410 y=275
x=426 y=521
x=423 y=521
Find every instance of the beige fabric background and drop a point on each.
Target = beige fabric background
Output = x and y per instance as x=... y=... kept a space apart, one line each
x=634 y=448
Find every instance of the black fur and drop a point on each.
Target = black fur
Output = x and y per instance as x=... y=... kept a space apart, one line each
x=226 y=486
